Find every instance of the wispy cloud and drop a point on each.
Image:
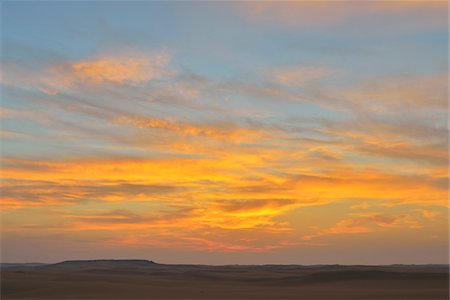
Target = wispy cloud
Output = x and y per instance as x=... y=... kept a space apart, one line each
x=301 y=75
x=366 y=223
x=325 y=14
x=125 y=68
x=224 y=130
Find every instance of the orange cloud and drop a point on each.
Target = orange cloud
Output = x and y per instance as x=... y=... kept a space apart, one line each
x=367 y=222
x=351 y=226
x=127 y=68
x=348 y=227
x=201 y=244
x=430 y=214
x=389 y=221
x=190 y=197
x=226 y=131
x=121 y=69
x=232 y=175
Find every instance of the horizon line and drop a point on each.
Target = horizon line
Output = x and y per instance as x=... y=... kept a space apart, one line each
x=230 y=264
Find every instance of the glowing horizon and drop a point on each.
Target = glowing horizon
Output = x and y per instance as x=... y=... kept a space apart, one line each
x=229 y=132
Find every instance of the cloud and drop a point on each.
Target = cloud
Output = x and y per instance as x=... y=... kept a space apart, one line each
x=186 y=202
x=37 y=193
x=249 y=177
x=376 y=142
x=323 y=153
x=121 y=69
x=389 y=220
x=203 y=229
x=396 y=127
x=193 y=217
x=202 y=244
x=25 y=114
x=256 y=207
x=130 y=69
x=366 y=223
x=430 y=214
x=120 y=216
x=323 y=14
x=219 y=130
x=126 y=68
x=212 y=183
x=408 y=92
x=330 y=91
x=301 y=75
x=433 y=154
x=119 y=148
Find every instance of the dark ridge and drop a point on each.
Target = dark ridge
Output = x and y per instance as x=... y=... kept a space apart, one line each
x=106 y=263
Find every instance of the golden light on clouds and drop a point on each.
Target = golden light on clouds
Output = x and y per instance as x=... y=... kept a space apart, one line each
x=279 y=134
x=121 y=69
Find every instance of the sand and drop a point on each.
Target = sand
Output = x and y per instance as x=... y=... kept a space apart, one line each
x=140 y=279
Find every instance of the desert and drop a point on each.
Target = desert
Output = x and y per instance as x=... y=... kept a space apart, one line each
x=143 y=279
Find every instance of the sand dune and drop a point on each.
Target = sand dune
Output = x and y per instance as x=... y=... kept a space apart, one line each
x=142 y=279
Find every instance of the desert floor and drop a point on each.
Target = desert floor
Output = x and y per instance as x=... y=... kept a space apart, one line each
x=140 y=279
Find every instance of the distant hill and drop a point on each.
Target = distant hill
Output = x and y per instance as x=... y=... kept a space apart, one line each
x=104 y=263
x=92 y=264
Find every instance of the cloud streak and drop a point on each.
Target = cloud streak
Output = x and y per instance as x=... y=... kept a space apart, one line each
x=131 y=68
x=325 y=14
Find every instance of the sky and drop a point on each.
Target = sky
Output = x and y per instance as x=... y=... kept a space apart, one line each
x=225 y=132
